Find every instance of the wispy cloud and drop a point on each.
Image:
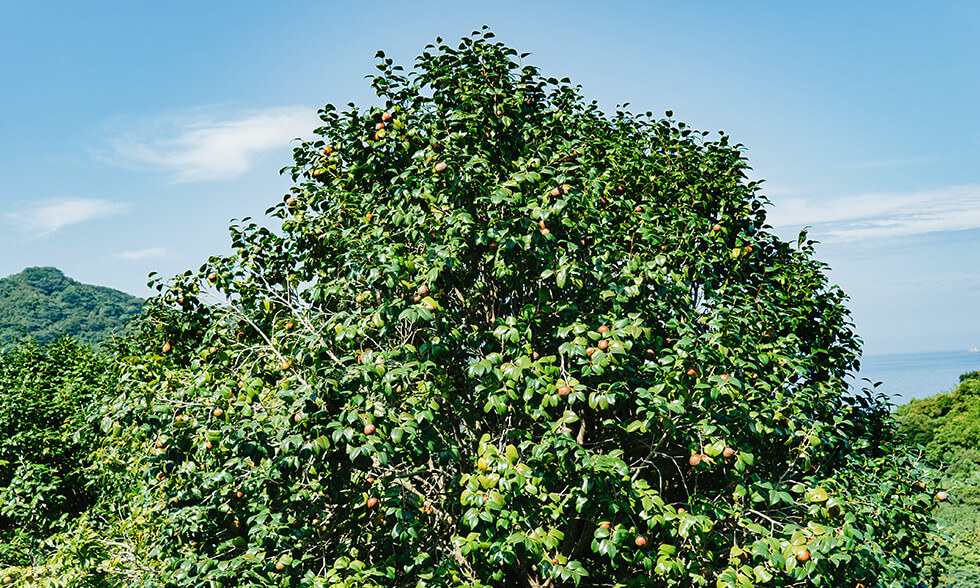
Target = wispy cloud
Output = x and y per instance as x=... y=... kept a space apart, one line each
x=44 y=217
x=882 y=215
x=881 y=163
x=904 y=282
x=205 y=143
x=153 y=252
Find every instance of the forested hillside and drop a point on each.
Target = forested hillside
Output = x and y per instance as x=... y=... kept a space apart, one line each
x=43 y=304
x=948 y=427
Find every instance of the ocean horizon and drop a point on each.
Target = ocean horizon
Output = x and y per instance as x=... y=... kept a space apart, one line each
x=905 y=376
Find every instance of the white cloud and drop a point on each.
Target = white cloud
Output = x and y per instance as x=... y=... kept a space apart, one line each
x=205 y=143
x=45 y=217
x=898 y=162
x=954 y=208
x=137 y=255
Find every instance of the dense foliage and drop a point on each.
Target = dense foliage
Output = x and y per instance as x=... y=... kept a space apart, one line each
x=500 y=339
x=42 y=304
x=947 y=426
x=45 y=447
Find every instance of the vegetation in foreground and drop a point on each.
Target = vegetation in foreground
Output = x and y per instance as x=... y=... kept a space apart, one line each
x=44 y=304
x=46 y=448
x=501 y=339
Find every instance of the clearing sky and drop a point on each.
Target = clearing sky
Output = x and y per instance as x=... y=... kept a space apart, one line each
x=135 y=132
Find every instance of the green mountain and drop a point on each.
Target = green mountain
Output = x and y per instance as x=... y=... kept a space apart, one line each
x=44 y=304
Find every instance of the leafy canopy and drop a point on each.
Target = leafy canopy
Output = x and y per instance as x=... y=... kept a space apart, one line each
x=504 y=339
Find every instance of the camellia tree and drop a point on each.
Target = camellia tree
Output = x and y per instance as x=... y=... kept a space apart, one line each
x=504 y=339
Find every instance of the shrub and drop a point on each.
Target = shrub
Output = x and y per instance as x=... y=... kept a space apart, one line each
x=45 y=445
x=503 y=339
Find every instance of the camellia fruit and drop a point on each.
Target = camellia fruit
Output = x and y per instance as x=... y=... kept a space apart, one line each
x=441 y=166
x=728 y=452
x=941 y=496
x=369 y=429
x=564 y=390
x=603 y=328
x=640 y=541
x=695 y=459
x=555 y=192
x=817 y=495
x=604 y=525
x=803 y=554
x=167 y=347
x=372 y=502
x=724 y=377
x=386 y=115
x=681 y=510
x=692 y=372
x=603 y=344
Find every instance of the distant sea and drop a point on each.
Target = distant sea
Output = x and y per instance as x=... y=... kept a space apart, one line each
x=916 y=375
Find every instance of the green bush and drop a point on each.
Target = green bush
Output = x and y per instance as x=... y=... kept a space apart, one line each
x=45 y=444
x=503 y=339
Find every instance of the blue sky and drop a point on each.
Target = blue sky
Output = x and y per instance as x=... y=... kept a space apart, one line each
x=134 y=132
